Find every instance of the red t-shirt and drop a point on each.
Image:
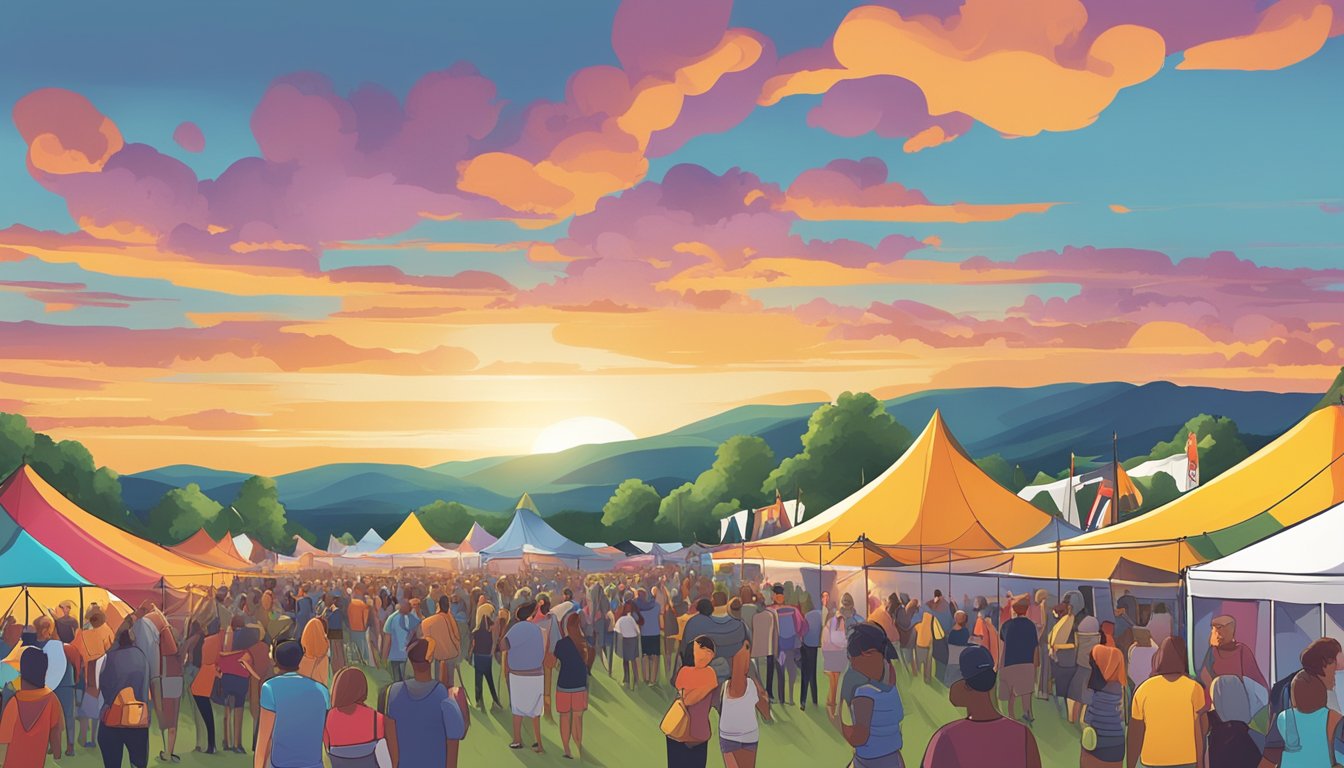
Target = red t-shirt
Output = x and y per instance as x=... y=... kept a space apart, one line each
x=1001 y=743
x=359 y=727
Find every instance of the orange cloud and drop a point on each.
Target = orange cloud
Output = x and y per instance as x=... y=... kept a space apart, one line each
x=999 y=63
x=1288 y=32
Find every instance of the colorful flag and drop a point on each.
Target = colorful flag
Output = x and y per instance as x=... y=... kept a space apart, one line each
x=1192 y=460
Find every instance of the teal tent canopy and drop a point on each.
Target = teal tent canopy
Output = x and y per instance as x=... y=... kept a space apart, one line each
x=24 y=562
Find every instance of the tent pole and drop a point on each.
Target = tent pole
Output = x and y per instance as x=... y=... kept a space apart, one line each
x=25 y=606
x=81 y=606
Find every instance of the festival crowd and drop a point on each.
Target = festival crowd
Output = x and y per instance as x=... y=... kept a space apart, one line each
x=294 y=653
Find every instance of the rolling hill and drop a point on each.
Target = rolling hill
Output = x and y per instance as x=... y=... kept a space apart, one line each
x=1034 y=427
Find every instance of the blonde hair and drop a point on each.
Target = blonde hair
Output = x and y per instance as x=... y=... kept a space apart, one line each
x=484 y=612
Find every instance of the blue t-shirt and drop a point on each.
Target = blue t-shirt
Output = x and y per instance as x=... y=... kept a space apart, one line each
x=648 y=608
x=884 y=734
x=525 y=646
x=1019 y=641
x=300 y=705
x=812 y=637
x=399 y=627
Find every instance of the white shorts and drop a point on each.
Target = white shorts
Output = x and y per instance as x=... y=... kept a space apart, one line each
x=525 y=694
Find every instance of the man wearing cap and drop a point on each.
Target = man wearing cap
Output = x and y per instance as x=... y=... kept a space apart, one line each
x=33 y=720
x=1021 y=658
x=984 y=737
x=293 y=714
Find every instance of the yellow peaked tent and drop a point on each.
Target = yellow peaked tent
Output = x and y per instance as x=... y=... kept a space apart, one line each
x=933 y=504
x=1296 y=476
x=410 y=539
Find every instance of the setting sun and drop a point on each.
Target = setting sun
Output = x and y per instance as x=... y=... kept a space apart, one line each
x=581 y=430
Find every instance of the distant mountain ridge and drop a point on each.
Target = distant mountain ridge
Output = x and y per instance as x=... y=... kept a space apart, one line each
x=1035 y=427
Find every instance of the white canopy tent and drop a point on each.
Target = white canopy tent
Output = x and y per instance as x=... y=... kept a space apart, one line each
x=1284 y=591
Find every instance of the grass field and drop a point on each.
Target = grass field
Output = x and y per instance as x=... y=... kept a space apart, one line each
x=621 y=729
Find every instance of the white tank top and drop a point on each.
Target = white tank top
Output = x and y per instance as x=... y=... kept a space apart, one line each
x=737 y=718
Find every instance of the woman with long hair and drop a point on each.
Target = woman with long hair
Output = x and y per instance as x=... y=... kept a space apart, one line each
x=833 y=658
x=356 y=735
x=739 y=702
x=697 y=685
x=484 y=649
x=575 y=657
x=316 y=646
x=1104 y=732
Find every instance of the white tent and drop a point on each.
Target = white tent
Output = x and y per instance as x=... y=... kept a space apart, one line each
x=1284 y=591
x=369 y=543
x=1303 y=563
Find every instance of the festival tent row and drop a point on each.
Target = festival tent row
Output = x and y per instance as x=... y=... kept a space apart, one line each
x=476 y=540
x=34 y=574
x=1287 y=590
x=932 y=507
x=335 y=547
x=1294 y=477
x=756 y=524
x=101 y=553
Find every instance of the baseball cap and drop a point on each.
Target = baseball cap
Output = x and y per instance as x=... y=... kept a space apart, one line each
x=977 y=668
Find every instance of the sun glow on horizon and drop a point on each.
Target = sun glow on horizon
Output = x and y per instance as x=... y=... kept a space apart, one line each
x=581 y=430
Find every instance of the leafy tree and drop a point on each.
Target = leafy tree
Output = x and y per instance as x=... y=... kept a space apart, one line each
x=1220 y=444
x=263 y=516
x=631 y=511
x=348 y=539
x=1157 y=490
x=1335 y=394
x=846 y=443
x=1044 y=502
x=1019 y=479
x=737 y=479
x=16 y=441
x=687 y=514
x=996 y=467
x=580 y=526
x=180 y=513
x=446 y=520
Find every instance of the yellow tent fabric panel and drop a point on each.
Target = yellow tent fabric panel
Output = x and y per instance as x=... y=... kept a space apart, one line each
x=934 y=496
x=1296 y=476
x=411 y=538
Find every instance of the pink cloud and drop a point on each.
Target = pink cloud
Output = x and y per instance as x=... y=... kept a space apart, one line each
x=189 y=137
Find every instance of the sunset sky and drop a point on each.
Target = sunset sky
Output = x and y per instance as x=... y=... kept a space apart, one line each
x=284 y=234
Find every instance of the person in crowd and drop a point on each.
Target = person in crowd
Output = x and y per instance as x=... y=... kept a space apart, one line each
x=442 y=628
x=234 y=664
x=885 y=617
x=941 y=610
x=397 y=632
x=169 y=687
x=355 y=734
x=984 y=737
x=33 y=721
x=575 y=657
x=650 y=637
x=1044 y=618
x=697 y=685
x=316 y=643
x=334 y=616
x=431 y=718
x=833 y=656
x=811 y=645
x=92 y=643
x=791 y=626
x=764 y=642
x=1231 y=741
x=1308 y=725
x=293 y=714
x=484 y=649
x=524 y=649
x=357 y=622
x=628 y=626
x=905 y=628
x=1229 y=656
x=876 y=709
x=1320 y=660
x=958 y=638
x=125 y=715
x=211 y=643
x=305 y=607
x=62 y=663
x=984 y=633
x=740 y=701
x=67 y=626
x=727 y=632
x=1168 y=719
x=1086 y=637
x=1104 y=718
x=1020 y=659
x=1126 y=614
x=671 y=628
x=1064 y=657
x=924 y=637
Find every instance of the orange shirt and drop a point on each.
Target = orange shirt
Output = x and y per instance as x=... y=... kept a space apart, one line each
x=28 y=746
x=357 y=615
x=205 y=679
